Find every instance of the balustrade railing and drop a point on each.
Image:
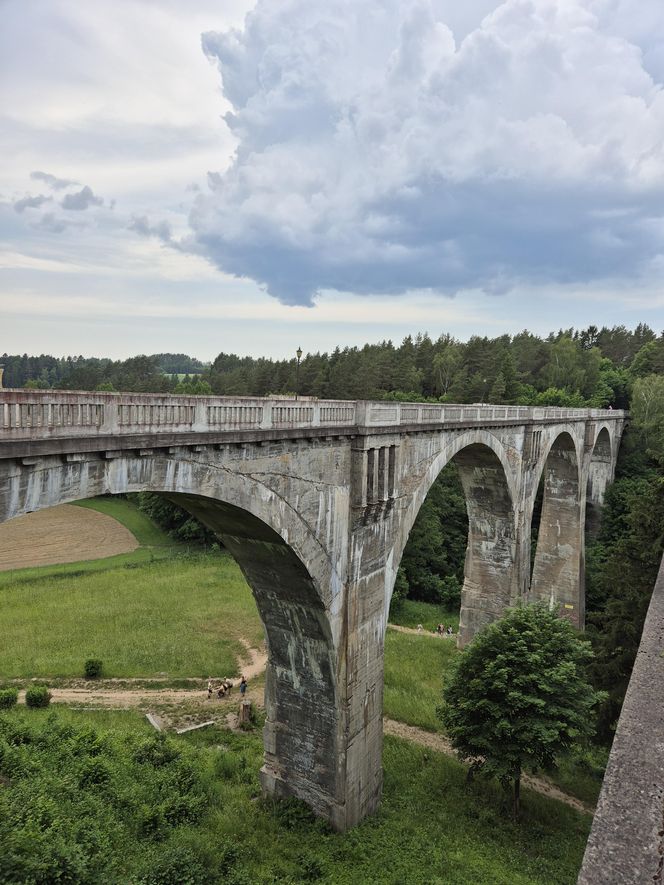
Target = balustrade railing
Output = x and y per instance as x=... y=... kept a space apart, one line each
x=36 y=414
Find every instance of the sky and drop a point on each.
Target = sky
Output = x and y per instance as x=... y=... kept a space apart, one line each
x=251 y=177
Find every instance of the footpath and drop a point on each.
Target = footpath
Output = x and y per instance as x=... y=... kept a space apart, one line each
x=178 y=706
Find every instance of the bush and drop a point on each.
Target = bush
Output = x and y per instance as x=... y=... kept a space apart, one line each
x=8 y=697
x=38 y=696
x=93 y=668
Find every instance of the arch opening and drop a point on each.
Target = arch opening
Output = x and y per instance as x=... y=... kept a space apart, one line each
x=291 y=581
x=557 y=573
x=490 y=544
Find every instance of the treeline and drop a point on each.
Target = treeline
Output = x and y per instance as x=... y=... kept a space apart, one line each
x=568 y=368
x=159 y=373
x=621 y=567
x=594 y=367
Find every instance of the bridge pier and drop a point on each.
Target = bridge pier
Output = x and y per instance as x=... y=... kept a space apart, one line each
x=557 y=577
x=491 y=553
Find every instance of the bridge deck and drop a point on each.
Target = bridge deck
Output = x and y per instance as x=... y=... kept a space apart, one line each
x=102 y=420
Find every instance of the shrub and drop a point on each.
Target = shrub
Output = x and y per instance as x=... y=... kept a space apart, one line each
x=38 y=696
x=8 y=697
x=93 y=668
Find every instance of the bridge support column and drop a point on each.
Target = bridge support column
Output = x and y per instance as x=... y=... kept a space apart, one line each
x=600 y=475
x=489 y=575
x=559 y=560
x=363 y=685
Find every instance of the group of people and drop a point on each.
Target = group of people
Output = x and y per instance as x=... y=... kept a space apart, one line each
x=441 y=630
x=224 y=687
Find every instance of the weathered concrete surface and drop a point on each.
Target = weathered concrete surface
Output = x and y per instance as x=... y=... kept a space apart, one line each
x=626 y=844
x=558 y=570
x=316 y=500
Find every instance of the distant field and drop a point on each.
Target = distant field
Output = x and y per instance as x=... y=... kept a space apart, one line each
x=411 y=613
x=414 y=672
x=48 y=542
x=61 y=534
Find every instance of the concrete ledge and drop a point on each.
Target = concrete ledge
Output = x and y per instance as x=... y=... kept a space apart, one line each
x=626 y=844
x=125 y=441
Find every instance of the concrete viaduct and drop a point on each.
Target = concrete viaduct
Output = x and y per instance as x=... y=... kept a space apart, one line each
x=315 y=500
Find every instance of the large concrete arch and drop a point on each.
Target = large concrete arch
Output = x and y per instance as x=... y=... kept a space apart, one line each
x=490 y=488
x=557 y=576
x=292 y=580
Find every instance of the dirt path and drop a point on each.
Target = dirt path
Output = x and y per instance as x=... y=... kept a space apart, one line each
x=61 y=534
x=428 y=633
x=440 y=743
x=119 y=693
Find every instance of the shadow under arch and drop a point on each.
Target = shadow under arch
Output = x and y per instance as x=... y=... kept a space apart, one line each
x=600 y=474
x=292 y=579
x=557 y=574
x=489 y=568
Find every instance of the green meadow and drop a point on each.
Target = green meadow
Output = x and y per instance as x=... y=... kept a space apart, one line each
x=98 y=796
x=182 y=616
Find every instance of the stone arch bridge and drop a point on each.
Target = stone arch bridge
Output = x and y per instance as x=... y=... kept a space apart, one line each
x=315 y=500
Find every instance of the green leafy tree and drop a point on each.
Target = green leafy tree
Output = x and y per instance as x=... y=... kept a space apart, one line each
x=621 y=571
x=648 y=413
x=519 y=695
x=193 y=386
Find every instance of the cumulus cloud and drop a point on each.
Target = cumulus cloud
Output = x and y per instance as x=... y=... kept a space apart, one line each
x=30 y=202
x=52 y=181
x=141 y=225
x=81 y=200
x=381 y=148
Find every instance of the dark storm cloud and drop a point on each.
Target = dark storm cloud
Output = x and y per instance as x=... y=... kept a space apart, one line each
x=378 y=153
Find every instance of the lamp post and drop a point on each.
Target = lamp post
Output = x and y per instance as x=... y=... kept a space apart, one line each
x=298 y=354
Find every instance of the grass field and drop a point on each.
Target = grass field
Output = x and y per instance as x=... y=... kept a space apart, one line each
x=160 y=611
x=155 y=544
x=432 y=827
x=411 y=613
x=146 y=532
x=414 y=671
x=181 y=617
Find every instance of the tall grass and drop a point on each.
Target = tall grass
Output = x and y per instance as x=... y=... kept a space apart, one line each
x=432 y=828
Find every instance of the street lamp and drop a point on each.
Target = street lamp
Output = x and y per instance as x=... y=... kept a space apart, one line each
x=298 y=354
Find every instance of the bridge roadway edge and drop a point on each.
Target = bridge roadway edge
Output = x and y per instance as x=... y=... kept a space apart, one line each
x=626 y=843
x=22 y=448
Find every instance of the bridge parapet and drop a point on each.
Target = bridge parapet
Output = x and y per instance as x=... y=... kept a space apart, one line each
x=36 y=415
